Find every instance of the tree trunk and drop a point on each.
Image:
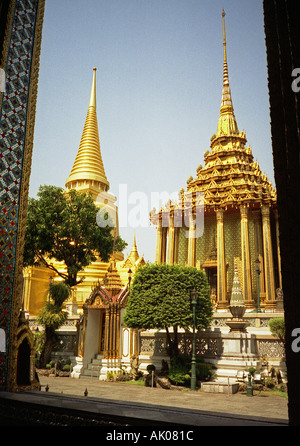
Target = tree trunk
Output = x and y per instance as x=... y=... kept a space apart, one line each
x=172 y=344
x=48 y=347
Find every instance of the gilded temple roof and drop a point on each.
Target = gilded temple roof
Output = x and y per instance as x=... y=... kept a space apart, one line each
x=110 y=290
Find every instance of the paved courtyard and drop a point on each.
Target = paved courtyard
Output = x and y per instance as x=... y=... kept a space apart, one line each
x=258 y=408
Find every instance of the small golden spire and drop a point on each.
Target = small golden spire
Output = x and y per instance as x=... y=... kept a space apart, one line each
x=227 y=123
x=88 y=166
x=134 y=247
x=133 y=256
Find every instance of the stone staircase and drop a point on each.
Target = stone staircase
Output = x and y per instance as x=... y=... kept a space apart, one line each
x=93 y=369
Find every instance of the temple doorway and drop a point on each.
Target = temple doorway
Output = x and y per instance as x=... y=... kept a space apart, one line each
x=211 y=274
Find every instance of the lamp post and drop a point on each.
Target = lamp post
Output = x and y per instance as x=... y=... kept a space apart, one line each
x=194 y=297
x=258 y=271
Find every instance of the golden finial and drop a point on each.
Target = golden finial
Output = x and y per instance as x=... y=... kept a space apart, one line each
x=92 y=102
x=223 y=15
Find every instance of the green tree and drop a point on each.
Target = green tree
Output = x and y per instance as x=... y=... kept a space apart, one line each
x=160 y=299
x=52 y=317
x=62 y=226
x=277 y=328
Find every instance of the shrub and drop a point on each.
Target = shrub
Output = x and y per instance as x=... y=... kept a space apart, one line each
x=180 y=371
x=269 y=382
x=150 y=368
x=179 y=375
x=204 y=371
x=252 y=370
x=122 y=377
x=110 y=376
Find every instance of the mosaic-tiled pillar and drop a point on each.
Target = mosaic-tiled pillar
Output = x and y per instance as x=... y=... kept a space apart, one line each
x=259 y=253
x=268 y=257
x=221 y=269
x=20 y=61
x=192 y=244
x=245 y=249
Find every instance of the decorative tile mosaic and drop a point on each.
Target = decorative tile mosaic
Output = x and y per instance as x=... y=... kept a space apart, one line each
x=13 y=116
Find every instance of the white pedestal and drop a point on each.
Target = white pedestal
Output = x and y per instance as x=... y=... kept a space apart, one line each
x=78 y=368
x=239 y=353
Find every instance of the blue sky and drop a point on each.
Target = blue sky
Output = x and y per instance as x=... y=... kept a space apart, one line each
x=159 y=84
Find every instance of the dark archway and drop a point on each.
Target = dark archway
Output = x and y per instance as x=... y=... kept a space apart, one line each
x=23 y=364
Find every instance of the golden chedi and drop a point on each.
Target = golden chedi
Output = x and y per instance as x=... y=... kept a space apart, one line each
x=87 y=175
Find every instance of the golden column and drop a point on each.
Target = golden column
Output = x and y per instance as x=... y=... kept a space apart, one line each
x=259 y=251
x=171 y=242
x=246 y=262
x=176 y=246
x=106 y=352
x=159 y=241
x=164 y=244
x=192 y=243
x=27 y=273
x=221 y=265
x=268 y=257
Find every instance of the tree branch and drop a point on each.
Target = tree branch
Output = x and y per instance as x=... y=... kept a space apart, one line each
x=50 y=266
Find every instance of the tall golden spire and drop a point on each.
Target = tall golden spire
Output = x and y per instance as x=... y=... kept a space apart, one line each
x=88 y=170
x=227 y=124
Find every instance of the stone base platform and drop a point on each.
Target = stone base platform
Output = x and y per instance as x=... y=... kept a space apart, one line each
x=219 y=387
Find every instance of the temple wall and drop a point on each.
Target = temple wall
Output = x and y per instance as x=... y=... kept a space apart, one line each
x=183 y=247
x=210 y=344
x=206 y=243
x=232 y=236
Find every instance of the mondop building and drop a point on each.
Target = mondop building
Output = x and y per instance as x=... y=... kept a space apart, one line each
x=239 y=222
